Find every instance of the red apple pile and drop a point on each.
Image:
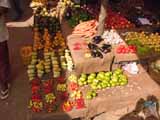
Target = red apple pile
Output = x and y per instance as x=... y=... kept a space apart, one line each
x=49 y=96
x=117 y=21
x=35 y=104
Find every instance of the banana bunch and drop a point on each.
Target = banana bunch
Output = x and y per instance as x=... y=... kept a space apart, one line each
x=61 y=87
x=31 y=69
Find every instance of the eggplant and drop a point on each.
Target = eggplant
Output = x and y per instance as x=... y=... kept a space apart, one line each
x=96 y=53
x=99 y=54
x=92 y=46
x=93 y=54
x=105 y=48
x=97 y=39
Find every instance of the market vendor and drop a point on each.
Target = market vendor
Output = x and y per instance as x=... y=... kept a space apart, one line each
x=4 y=56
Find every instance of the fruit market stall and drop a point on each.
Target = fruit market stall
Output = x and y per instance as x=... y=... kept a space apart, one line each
x=74 y=73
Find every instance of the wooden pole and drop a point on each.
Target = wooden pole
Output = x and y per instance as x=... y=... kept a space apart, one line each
x=102 y=17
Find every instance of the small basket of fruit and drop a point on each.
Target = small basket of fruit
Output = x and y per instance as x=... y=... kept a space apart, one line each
x=26 y=53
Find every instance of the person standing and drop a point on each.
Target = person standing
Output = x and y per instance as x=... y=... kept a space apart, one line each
x=102 y=17
x=4 y=55
x=15 y=4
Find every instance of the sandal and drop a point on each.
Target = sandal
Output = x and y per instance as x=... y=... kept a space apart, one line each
x=4 y=93
x=151 y=107
x=134 y=114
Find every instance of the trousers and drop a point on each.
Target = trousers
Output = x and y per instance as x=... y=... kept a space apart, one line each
x=4 y=64
x=102 y=17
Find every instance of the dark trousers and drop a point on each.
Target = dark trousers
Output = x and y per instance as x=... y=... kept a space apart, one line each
x=4 y=65
x=16 y=6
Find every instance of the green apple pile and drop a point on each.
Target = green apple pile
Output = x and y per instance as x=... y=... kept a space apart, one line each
x=82 y=80
x=61 y=87
x=91 y=94
x=47 y=62
x=103 y=80
x=55 y=64
x=40 y=68
x=31 y=70
x=68 y=57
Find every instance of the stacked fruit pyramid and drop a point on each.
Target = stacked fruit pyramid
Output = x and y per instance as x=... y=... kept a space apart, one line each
x=46 y=71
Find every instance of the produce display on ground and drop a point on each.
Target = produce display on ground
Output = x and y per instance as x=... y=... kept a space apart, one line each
x=50 y=66
x=145 y=42
x=46 y=72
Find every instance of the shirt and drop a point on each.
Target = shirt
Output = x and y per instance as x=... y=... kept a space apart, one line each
x=3 y=29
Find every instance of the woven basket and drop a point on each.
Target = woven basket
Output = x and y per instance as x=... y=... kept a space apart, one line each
x=26 y=53
x=155 y=75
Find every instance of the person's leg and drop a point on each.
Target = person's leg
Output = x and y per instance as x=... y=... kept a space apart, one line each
x=4 y=69
x=102 y=17
x=17 y=8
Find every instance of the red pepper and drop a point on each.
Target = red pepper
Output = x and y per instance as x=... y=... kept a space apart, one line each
x=64 y=96
x=47 y=90
x=73 y=86
x=61 y=80
x=36 y=98
x=35 y=89
x=35 y=82
x=67 y=106
x=80 y=103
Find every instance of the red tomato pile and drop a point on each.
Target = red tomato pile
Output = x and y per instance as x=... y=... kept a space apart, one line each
x=76 y=99
x=117 y=21
x=122 y=49
x=78 y=104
